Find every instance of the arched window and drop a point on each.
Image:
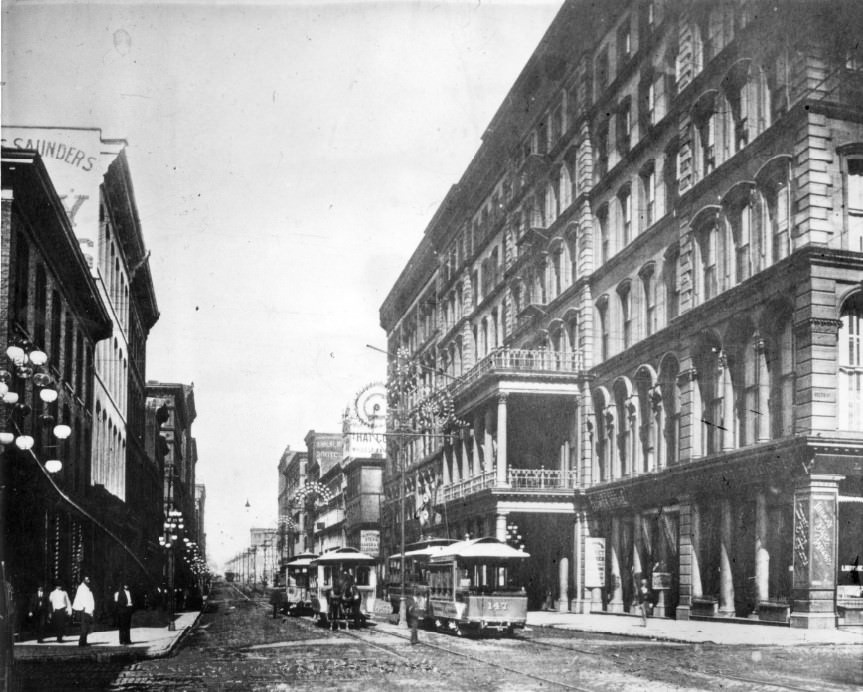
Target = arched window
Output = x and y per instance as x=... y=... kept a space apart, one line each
x=741 y=99
x=710 y=365
x=853 y=166
x=850 y=394
x=604 y=430
x=40 y=306
x=774 y=182
x=707 y=243
x=624 y=416
x=782 y=380
x=705 y=123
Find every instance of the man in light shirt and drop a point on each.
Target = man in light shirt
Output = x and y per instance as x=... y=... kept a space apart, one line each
x=123 y=602
x=61 y=609
x=85 y=605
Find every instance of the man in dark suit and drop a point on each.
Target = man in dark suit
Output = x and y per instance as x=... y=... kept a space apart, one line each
x=123 y=602
x=38 y=611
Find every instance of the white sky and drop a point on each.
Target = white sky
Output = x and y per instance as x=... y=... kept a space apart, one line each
x=286 y=159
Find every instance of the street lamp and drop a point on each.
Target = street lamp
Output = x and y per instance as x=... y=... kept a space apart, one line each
x=28 y=362
x=172 y=526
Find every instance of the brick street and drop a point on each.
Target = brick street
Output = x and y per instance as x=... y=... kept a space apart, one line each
x=237 y=645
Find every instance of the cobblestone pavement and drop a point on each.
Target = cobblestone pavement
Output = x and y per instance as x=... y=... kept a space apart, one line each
x=239 y=646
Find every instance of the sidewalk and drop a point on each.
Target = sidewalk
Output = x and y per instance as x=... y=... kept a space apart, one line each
x=693 y=631
x=147 y=642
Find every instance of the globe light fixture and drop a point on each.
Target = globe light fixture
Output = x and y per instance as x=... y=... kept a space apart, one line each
x=38 y=357
x=6 y=438
x=24 y=442
x=53 y=465
x=62 y=431
x=49 y=396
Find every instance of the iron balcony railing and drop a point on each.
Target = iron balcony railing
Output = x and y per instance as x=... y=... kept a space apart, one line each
x=519 y=360
x=542 y=479
x=468 y=486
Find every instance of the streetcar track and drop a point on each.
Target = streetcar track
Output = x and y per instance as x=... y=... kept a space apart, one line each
x=713 y=675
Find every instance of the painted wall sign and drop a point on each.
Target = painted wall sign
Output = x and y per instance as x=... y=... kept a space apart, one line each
x=594 y=563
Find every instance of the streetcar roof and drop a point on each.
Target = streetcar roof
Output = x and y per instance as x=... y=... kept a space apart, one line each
x=301 y=560
x=483 y=548
x=339 y=555
x=426 y=548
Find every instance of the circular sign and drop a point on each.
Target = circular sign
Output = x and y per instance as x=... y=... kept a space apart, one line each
x=370 y=405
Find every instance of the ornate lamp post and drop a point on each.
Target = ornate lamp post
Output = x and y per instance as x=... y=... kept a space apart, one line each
x=168 y=540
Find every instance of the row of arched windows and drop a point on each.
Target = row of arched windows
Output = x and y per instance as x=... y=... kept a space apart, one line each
x=109 y=453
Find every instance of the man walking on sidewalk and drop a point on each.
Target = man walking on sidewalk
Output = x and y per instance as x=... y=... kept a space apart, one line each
x=61 y=609
x=84 y=605
x=123 y=602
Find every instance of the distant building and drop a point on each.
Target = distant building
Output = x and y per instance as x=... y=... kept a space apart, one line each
x=327 y=507
x=174 y=408
x=638 y=315
x=292 y=515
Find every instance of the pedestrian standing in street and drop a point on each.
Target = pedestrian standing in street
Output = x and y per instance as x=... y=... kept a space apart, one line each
x=123 y=603
x=644 y=601
x=84 y=605
x=39 y=611
x=276 y=599
x=61 y=609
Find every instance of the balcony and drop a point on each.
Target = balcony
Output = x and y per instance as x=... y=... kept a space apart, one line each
x=467 y=487
x=518 y=361
x=537 y=480
x=542 y=479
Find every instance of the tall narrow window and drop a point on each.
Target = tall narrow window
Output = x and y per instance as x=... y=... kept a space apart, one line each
x=648 y=195
x=22 y=280
x=854 y=187
x=40 y=306
x=624 y=127
x=625 y=200
x=672 y=290
x=56 y=326
x=601 y=71
x=742 y=242
x=68 y=356
x=850 y=399
x=601 y=150
x=777 y=211
x=624 y=44
x=708 y=247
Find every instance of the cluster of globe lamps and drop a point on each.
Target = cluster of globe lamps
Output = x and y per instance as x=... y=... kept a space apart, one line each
x=29 y=363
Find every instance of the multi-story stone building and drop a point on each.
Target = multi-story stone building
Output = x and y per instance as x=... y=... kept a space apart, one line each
x=49 y=302
x=642 y=302
x=292 y=517
x=173 y=407
x=325 y=507
x=92 y=176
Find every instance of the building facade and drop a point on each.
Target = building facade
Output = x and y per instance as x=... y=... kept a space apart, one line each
x=292 y=517
x=638 y=314
x=173 y=406
x=48 y=301
x=324 y=498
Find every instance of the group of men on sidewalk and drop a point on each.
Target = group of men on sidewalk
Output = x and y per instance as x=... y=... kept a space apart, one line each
x=55 y=609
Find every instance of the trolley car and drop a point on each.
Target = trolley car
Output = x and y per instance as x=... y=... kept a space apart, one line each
x=416 y=561
x=472 y=588
x=299 y=578
x=329 y=567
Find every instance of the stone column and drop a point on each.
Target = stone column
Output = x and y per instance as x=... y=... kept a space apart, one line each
x=488 y=459
x=447 y=455
x=728 y=422
x=615 y=602
x=726 y=581
x=563 y=586
x=581 y=603
x=501 y=440
x=762 y=557
x=637 y=569
x=659 y=540
x=500 y=526
x=477 y=431
x=816 y=500
x=690 y=576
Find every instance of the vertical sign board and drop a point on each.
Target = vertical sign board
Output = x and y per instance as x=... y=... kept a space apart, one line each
x=370 y=542
x=594 y=563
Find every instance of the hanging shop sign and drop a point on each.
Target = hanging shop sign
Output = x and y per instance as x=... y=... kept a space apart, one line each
x=594 y=563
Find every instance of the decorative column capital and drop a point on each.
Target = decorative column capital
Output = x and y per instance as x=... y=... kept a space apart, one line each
x=690 y=375
x=501 y=398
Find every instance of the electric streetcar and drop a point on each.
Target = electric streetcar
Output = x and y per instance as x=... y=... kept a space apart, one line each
x=472 y=588
x=416 y=561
